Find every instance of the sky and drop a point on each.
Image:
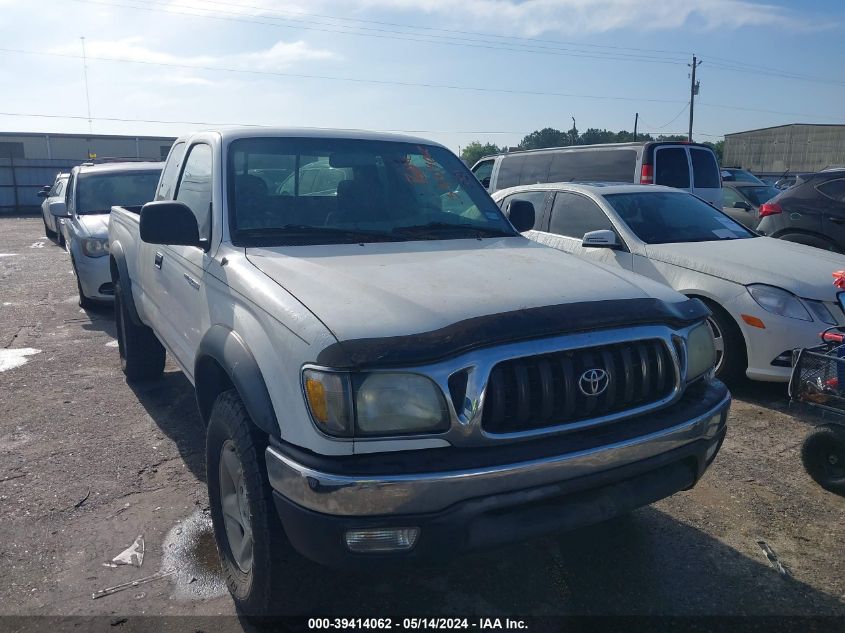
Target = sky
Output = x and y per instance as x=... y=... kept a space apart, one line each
x=454 y=71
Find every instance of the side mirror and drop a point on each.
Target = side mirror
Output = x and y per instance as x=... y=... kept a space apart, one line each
x=600 y=239
x=741 y=204
x=521 y=215
x=43 y=193
x=58 y=209
x=169 y=222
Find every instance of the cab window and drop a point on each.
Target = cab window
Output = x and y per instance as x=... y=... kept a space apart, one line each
x=195 y=187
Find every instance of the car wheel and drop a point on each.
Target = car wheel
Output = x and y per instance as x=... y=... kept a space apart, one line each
x=823 y=456
x=85 y=302
x=47 y=231
x=815 y=241
x=263 y=572
x=142 y=356
x=731 y=359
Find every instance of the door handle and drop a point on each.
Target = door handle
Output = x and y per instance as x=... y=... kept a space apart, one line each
x=836 y=220
x=158 y=259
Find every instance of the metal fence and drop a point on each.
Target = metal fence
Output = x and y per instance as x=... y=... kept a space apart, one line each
x=21 y=178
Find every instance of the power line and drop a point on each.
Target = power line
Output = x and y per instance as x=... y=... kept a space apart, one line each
x=230 y=124
x=482 y=89
x=339 y=78
x=265 y=10
x=392 y=35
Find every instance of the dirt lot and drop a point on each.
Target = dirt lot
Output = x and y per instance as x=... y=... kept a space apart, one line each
x=88 y=463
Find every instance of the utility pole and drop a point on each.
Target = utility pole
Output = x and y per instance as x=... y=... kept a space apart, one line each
x=636 y=120
x=693 y=91
x=87 y=96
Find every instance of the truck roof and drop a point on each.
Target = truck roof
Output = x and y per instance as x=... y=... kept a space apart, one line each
x=231 y=134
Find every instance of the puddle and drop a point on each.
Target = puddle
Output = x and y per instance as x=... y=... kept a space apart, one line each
x=11 y=358
x=190 y=550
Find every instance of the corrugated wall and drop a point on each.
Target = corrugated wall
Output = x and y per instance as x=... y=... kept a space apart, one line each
x=797 y=148
x=20 y=180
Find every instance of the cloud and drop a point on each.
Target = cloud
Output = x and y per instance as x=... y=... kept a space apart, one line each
x=536 y=17
x=279 y=56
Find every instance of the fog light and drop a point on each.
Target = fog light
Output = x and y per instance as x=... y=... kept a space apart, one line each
x=382 y=539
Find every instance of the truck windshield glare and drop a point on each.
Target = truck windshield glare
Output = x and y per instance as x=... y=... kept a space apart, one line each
x=97 y=193
x=316 y=191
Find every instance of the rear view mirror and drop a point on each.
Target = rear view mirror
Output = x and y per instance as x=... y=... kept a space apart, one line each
x=739 y=204
x=43 y=193
x=169 y=222
x=521 y=215
x=600 y=239
x=59 y=209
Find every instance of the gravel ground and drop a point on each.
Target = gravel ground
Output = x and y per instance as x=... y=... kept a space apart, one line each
x=88 y=463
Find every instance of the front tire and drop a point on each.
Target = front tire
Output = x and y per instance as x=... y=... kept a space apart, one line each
x=823 y=456
x=731 y=356
x=84 y=301
x=263 y=572
x=142 y=356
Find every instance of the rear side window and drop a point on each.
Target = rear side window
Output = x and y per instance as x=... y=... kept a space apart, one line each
x=537 y=198
x=671 y=167
x=834 y=189
x=574 y=215
x=594 y=166
x=483 y=171
x=195 y=187
x=510 y=171
x=705 y=171
x=167 y=184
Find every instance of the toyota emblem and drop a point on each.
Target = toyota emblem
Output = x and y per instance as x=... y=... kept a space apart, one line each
x=593 y=382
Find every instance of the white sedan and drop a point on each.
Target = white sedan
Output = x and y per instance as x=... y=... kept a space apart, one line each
x=767 y=296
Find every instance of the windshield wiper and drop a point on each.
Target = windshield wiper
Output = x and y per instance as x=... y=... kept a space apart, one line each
x=435 y=229
x=308 y=229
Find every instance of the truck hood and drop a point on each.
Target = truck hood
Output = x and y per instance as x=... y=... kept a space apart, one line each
x=405 y=288
x=803 y=270
x=94 y=225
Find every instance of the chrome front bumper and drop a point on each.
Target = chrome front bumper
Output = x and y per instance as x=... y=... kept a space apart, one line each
x=419 y=493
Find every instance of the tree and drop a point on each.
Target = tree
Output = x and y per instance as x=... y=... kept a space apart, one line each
x=718 y=148
x=475 y=150
x=547 y=137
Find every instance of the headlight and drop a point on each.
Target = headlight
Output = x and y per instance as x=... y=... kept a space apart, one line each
x=95 y=247
x=384 y=403
x=779 y=301
x=701 y=351
x=820 y=311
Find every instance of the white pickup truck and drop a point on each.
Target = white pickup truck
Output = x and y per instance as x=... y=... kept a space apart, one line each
x=387 y=368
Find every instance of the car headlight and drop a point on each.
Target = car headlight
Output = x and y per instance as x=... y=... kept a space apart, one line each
x=95 y=247
x=820 y=311
x=701 y=351
x=779 y=301
x=370 y=404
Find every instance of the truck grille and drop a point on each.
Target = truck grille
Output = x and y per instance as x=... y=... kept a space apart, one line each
x=540 y=391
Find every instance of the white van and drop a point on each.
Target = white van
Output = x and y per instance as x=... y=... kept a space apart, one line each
x=689 y=166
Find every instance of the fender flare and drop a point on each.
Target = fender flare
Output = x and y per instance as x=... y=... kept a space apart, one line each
x=222 y=348
x=119 y=266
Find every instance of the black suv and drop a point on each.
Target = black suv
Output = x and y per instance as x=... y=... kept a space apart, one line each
x=810 y=212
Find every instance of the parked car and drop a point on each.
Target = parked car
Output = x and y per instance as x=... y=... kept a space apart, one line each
x=90 y=192
x=386 y=373
x=743 y=199
x=735 y=174
x=688 y=166
x=52 y=226
x=767 y=297
x=811 y=212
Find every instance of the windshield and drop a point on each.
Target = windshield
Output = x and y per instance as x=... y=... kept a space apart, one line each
x=740 y=175
x=98 y=192
x=759 y=195
x=668 y=217
x=288 y=191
